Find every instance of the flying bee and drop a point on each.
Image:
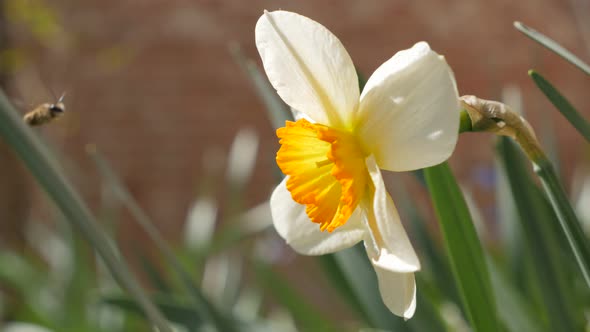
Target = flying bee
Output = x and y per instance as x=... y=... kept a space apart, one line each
x=45 y=112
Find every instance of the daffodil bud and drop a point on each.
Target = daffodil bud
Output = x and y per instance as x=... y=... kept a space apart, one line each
x=499 y=118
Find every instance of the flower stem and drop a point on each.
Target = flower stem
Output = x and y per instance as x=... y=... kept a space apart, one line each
x=496 y=117
x=465 y=122
x=565 y=213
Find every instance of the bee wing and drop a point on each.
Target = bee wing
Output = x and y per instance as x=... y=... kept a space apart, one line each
x=61 y=98
x=19 y=103
x=32 y=88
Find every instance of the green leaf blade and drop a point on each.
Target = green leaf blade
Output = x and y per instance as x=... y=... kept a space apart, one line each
x=176 y=311
x=562 y=104
x=512 y=308
x=541 y=242
x=465 y=252
x=553 y=46
x=47 y=172
x=360 y=276
x=570 y=225
x=302 y=310
x=201 y=305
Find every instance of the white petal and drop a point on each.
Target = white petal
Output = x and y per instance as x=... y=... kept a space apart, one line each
x=308 y=66
x=398 y=291
x=303 y=235
x=409 y=111
x=388 y=245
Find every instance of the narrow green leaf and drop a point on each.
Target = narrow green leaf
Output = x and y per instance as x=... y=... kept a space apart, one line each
x=361 y=278
x=308 y=317
x=435 y=280
x=464 y=249
x=568 y=220
x=516 y=262
x=334 y=274
x=435 y=261
x=553 y=46
x=176 y=311
x=202 y=305
x=278 y=111
x=82 y=279
x=49 y=175
x=429 y=304
x=562 y=104
x=155 y=276
x=512 y=309
x=360 y=289
x=540 y=239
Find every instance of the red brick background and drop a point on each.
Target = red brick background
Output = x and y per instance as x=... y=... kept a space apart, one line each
x=151 y=83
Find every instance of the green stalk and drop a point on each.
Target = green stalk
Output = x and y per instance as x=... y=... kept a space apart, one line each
x=498 y=118
x=565 y=213
x=465 y=253
x=51 y=178
x=541 y=242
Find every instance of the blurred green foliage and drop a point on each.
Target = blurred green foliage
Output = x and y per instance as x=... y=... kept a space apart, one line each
x=36 y=16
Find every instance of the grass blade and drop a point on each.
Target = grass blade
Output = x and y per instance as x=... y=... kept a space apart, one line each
x=154 y=275
x=511 y=306
x=568 y=220
x=178 y=312
x=540 y=239
x=203 y=306
x=553 y=46
x=354 y=270
x=562 y=104
x=430 y=315
x=80 y=281
x=464 y=249
x=49 y=175
x=278 y=111
x=360 y=275
x=334 y=273
x=301 y=309
x=436 y=263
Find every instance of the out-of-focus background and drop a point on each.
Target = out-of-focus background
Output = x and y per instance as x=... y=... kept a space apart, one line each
x=153 y=86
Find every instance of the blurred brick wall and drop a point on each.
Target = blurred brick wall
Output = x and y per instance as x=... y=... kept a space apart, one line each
x=153 y=86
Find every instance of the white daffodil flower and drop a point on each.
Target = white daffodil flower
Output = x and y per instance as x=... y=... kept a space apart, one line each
x=333 y=195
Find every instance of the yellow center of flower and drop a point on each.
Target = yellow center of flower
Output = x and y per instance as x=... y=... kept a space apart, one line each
x=326 y=169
